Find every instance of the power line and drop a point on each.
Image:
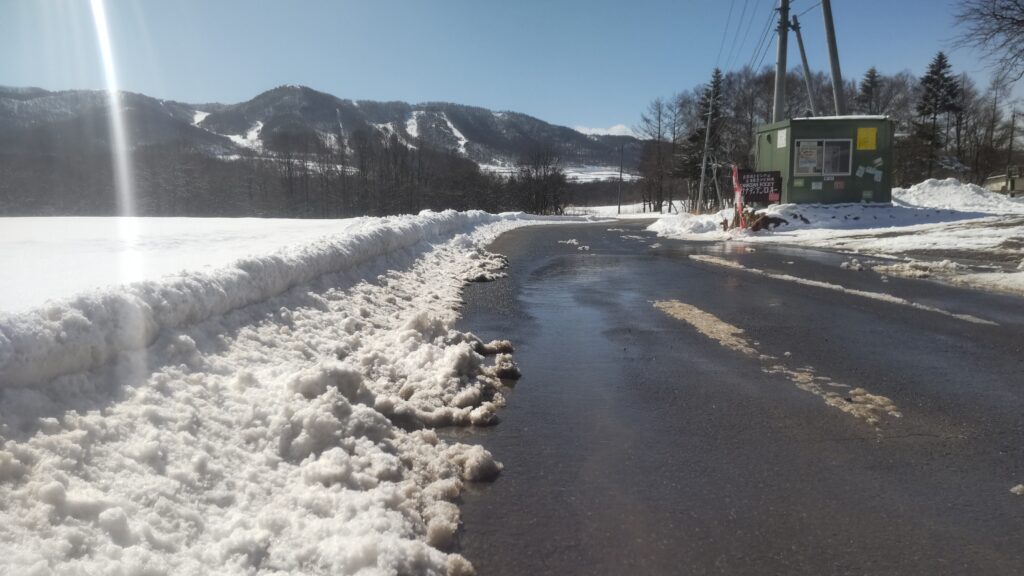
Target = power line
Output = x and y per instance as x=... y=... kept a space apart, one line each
x=746 y=33
x=757 y=50
x=764 y=53
x=736 y=36
x=762 y=42
x=725 y=32
x=763 y=37
x=809 y=9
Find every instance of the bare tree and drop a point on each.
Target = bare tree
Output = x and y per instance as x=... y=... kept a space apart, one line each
x=541 y=182
x=655 y=127
x=996 y=28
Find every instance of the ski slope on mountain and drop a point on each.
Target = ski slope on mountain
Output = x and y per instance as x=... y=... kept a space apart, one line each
x=267 y=410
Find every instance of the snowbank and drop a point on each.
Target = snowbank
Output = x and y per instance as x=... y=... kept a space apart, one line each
x=932 y=201
x=937 y=219
x=859 y=216
x=78 y=333
x=809 y=219
x=1005 y=281
x=693 y=226
x=269 y=417
x=951 y=194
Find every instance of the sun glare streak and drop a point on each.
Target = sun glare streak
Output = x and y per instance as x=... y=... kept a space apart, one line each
x=130 y=262
x=119 y=139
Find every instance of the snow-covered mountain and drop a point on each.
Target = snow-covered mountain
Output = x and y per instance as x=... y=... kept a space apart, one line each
x=39 y=120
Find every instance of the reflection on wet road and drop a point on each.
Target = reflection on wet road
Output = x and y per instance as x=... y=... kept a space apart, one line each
x=676 y=417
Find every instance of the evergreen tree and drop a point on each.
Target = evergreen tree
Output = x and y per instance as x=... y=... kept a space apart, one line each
x=869 y=92
x=939 y=92
x=709 y=110
x=693 y=149
x=938 y=89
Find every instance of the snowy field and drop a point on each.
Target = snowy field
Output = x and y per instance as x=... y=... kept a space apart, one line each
x=61 y=257
x=573 y=173
x=260 y=400
x=626 y=211
x=942 y=229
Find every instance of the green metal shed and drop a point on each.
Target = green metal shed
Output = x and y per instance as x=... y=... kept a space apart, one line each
x=829 y=160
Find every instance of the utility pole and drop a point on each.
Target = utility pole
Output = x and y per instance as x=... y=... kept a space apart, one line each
x=803 y=60
x=718 y=190
x=780 y=63
x=620 y=179
x=1009 y=154
x=712 y=99
x=833 y=55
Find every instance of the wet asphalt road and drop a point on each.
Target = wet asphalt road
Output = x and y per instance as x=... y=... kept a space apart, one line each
x=634 y=444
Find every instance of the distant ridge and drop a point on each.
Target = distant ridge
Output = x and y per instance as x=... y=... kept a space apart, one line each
x=37 y=120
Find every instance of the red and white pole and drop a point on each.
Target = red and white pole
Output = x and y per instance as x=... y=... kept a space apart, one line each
x=738 y=202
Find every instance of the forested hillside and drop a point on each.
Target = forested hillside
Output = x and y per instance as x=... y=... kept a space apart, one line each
x=291 y=151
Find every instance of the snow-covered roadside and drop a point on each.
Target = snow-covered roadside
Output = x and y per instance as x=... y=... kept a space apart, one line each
x=55 y=258
x=1008 y=282
x=87 y=329
x=626 y=211
x=927 y=224
x=272 y=416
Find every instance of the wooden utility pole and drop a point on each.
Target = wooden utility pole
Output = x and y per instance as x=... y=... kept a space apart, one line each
x=712 y=98
x=1009 y=153
x=718 y=190
x=807 y=69
x=838 y=92
x=779 y=111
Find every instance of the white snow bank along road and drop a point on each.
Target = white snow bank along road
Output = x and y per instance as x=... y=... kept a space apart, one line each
x=933 y=221
x=82 y=330
x=934 y=215
x=270 y=417
x=919 y=208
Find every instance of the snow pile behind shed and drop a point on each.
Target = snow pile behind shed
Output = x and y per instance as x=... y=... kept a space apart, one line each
x=951 y=194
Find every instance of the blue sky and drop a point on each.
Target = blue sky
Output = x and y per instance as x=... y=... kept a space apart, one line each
x=578 y=63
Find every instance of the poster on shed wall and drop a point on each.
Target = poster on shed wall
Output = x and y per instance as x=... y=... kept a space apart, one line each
x=807 y=157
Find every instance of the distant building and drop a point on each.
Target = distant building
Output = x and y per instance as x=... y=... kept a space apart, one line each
x=998 y=183
x=829 y=160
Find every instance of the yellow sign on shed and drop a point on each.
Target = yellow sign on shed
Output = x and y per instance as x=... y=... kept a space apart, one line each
x=867 y=138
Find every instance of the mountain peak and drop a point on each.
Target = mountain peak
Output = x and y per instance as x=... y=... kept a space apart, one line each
x=278 y=115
